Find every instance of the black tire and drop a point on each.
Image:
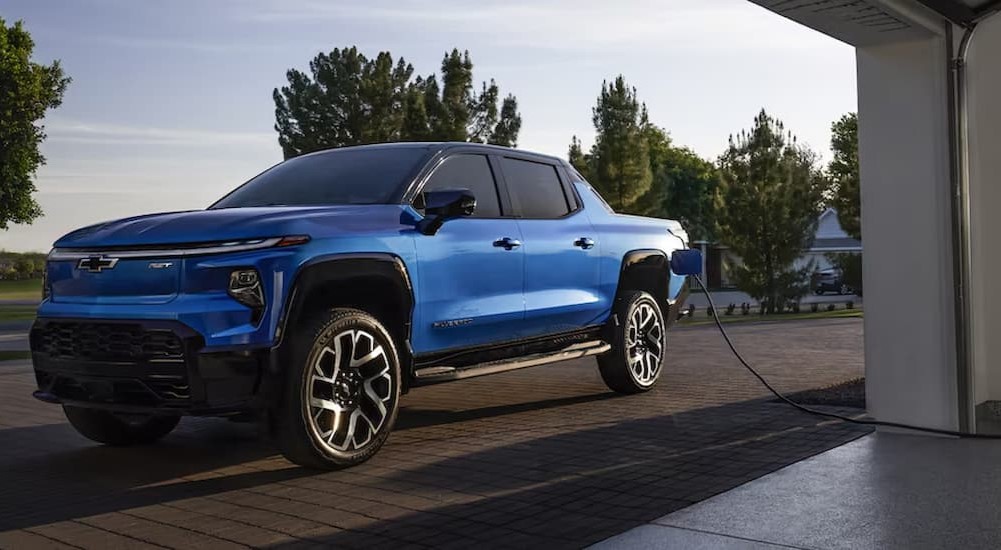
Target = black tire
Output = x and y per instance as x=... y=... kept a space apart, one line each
x=322 y=391
x=617 y=368
x=819 y=291
x=119 y=430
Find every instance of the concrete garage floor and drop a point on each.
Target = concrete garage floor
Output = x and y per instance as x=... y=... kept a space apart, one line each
x=543 y=457
x=882 y=491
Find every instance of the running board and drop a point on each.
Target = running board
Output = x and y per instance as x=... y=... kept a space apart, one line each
x=434 y=375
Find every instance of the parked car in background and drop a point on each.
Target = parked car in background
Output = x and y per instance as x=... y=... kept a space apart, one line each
x=324 y=288
x=830 y=280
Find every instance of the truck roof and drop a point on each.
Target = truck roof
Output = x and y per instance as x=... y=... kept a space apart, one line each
x=437 y=146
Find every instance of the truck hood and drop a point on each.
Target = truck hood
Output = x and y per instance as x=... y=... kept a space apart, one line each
x=226 y=224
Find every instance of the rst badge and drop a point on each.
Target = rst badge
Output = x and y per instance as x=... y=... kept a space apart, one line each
x=96 y=264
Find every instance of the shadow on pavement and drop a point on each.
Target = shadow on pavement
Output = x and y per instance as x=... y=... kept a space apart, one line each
x=50 y=473
x=582 y=486
x=565 y=489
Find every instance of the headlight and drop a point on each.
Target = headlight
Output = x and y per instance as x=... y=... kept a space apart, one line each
x=46 y=291
x=245 y=287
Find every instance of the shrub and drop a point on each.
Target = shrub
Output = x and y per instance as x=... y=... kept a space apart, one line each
x=850 y=265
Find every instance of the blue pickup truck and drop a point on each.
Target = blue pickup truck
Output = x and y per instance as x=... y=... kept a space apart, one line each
x=318 y=292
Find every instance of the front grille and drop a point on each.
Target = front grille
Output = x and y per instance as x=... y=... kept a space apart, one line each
x=105 y=342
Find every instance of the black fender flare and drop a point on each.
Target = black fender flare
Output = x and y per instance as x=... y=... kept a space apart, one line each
x=333 y=268
x=647 y=269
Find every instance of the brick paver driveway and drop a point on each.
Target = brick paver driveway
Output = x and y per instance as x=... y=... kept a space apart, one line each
x=540 y=457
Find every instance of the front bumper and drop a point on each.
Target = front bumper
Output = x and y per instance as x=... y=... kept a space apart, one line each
x=148 y=366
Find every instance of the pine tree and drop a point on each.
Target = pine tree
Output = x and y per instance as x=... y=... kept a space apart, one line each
x=348 y=99
x=767 y=204
x=507 y=128
x=619 y=163
x=675 y=182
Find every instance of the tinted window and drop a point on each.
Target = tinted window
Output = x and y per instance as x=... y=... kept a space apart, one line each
x=468 y=172
x=536 y=188
x=342 y=176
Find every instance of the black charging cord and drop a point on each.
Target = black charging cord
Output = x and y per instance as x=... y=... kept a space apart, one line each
x=811 y=410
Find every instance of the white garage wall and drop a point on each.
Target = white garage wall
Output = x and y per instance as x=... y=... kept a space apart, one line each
x=904 y=152
x=984 y=97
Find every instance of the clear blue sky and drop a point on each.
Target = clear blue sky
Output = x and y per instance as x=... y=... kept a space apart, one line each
x=170 y=104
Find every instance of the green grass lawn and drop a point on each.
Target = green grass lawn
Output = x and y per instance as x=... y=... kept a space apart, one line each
x=30 y=289
x=17 y=313
x=702 y=319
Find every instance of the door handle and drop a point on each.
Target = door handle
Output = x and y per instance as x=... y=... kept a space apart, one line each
x=586 y=243
x=507 y=243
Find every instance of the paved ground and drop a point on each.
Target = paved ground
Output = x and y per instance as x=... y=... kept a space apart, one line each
x=885 y=490
x=540 y=457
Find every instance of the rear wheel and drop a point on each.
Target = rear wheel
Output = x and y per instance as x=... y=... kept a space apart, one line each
x=119 y=429
x=638 y=344
x=342 y=391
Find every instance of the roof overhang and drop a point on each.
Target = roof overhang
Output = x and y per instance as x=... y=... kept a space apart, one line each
x=872 y=22
x=861 y=22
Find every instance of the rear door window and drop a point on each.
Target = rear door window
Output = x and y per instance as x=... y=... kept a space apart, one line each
x=535 y=188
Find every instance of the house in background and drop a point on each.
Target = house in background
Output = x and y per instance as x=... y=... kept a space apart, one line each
x=830 y=238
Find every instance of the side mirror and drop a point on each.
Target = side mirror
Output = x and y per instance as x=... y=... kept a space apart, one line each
x=444 y=204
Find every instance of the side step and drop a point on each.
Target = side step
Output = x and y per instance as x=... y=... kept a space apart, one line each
x=434 y=375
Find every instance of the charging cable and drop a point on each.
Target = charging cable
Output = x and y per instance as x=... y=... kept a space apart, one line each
x=810 y=410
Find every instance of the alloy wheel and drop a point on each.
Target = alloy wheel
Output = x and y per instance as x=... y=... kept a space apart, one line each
x=644 y=344
x=348 y=391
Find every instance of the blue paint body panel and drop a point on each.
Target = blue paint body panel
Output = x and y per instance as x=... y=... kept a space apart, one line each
x=466 y=290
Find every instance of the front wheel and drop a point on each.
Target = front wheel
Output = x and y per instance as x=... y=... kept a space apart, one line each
x=342 y=391
x=634 y=363
x=119 y=429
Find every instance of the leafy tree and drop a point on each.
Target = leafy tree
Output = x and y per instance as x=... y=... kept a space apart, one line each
x=688 y=182
x=619 y=162
x=348 y=99
x=27 y=90
x=844 y=173
x=767 y=206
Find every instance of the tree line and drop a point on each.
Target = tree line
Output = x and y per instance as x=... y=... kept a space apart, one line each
x=349 y=99
x=761 y=198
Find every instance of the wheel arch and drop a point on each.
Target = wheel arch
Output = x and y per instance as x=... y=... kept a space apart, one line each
x=649 y=270
x=377 y=283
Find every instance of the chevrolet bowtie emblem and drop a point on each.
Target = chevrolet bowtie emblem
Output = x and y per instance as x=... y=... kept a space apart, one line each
x=97 y=264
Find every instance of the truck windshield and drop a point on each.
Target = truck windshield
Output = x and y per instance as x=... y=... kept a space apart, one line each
x=366 y=175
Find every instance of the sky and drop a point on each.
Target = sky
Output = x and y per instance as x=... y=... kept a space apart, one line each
x=170 y=104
